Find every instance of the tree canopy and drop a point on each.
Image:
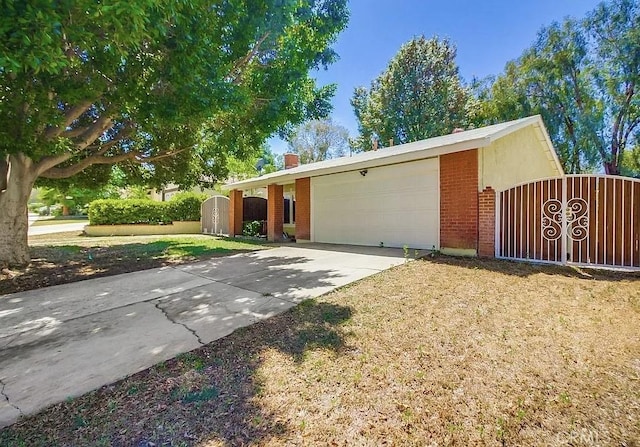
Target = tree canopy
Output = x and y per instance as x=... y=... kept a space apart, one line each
x=166 y=89
x=318 y=140
x=419 y=95
x=582 y=76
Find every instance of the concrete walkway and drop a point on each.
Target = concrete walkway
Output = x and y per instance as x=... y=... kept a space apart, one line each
x=64 y=341
x=56 y=228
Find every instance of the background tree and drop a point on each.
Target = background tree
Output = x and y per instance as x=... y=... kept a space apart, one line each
x=167 y=89
x=582 y=77
x=318 y=140
x=630 y=162
x=240 y=169
x=419 y=95
x=73 y=199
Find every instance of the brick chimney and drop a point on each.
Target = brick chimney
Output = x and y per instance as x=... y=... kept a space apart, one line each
x=291 y=161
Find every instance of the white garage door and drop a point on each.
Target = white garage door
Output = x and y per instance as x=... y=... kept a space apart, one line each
x=397 y=205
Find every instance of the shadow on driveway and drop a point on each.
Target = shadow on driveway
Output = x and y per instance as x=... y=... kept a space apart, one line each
x=209 y=394
x=70 y=339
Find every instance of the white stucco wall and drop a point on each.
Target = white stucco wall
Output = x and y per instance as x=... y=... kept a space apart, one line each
x=516 y=158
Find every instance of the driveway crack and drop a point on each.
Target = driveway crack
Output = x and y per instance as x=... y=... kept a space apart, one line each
x=223 y=281
x=195 y=334
x=3 y=394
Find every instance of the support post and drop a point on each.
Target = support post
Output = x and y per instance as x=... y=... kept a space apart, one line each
x=275 y=212
x=235 y=213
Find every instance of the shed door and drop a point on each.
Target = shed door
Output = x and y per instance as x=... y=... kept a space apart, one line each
x=394 y=205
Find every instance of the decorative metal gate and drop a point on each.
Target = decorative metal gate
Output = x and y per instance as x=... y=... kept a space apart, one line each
x=588 y=220
x=215 y=215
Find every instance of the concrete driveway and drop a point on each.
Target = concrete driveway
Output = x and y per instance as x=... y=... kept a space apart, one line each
x=66 y=340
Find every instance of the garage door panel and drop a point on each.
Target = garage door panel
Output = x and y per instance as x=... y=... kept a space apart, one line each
x=396 y=205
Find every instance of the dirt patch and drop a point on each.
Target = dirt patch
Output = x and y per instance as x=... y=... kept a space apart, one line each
x=438 y=352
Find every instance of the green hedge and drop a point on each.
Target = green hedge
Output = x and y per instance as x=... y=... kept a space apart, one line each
x=185 y=206
x=181 y=207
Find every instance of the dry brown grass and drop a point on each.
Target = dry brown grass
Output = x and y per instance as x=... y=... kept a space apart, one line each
x=438 y=352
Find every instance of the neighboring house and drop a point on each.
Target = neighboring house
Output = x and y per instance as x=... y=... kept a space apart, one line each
x=435 y=193
x=162 y=195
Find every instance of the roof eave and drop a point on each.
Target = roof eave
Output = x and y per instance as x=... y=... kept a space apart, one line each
x=285 y=177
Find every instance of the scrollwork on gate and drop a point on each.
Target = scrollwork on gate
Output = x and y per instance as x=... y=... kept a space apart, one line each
x=577 y=219
x=576 y=214
x=216 y=218
x=552 y=219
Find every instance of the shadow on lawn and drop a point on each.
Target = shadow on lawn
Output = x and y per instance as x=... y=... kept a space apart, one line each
x=209 y=394
x=524 y=269
x=62 y=264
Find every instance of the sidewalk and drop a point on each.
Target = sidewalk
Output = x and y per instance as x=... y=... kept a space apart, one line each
x=49 y=229
x=66 y=340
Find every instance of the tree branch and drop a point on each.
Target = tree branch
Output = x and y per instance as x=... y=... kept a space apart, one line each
x=631 y=128
x=160 y=156
x=49 y=162
x=104 y=147
x=95 y=159
x=100 y=159
x=236 y=71
x=94 y=131
x=69 y=117
x=90 y=134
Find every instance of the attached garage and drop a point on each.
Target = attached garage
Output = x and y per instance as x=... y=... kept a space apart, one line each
x=435 y=193
x=392 y=205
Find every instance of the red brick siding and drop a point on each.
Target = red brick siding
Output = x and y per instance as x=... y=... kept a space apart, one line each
x=291 y=161
x=459 y=200
x=275 y=212
x=303 y=208
x=487 y=222
x=235 y=212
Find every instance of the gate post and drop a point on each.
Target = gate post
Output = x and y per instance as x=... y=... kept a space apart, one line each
x=563 y=216
x=498 y=242
x=486 y=222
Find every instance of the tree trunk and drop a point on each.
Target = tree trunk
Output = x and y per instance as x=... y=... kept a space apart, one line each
x=611 y=168
x=14 y=223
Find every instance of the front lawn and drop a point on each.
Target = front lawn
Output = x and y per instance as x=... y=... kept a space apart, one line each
x=435 y=352
x=61 y=258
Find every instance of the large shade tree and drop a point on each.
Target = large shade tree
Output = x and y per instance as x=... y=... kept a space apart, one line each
x=583 y=77
x=419 y=95
x=166 y=89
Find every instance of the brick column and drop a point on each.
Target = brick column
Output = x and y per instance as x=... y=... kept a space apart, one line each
x=275 y=212
x=487 y=222
x=235 y=213
x=303 y=209
x=459 y=202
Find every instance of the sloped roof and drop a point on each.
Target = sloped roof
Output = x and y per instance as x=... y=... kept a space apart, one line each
x=431 y=147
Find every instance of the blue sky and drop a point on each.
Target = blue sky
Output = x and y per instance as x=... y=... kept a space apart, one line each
x=487 y=34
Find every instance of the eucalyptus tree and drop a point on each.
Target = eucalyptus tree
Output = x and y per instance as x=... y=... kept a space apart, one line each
x=583 y=77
